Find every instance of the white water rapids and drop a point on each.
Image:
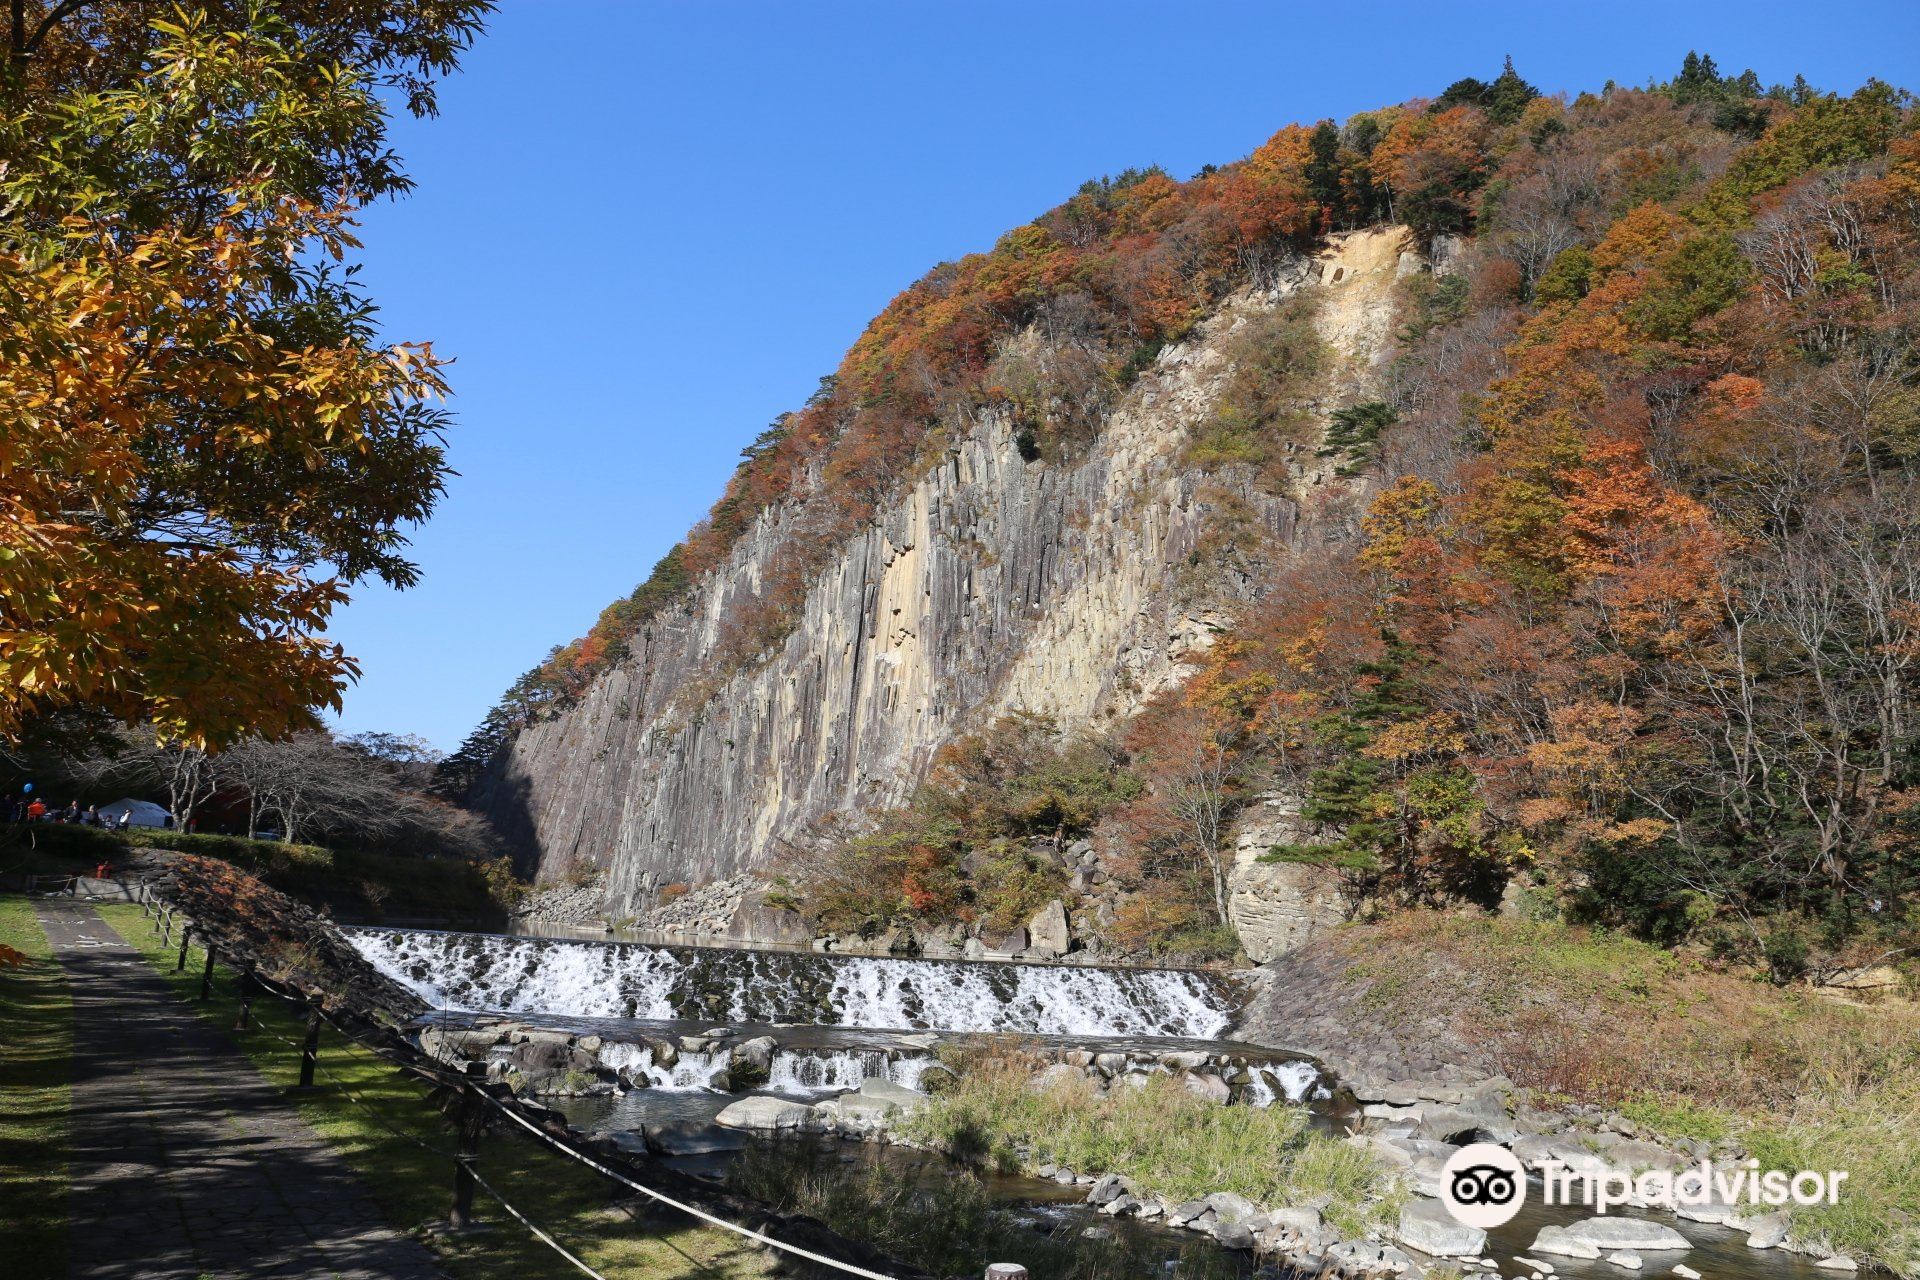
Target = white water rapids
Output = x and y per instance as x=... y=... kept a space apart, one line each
x=485 y=973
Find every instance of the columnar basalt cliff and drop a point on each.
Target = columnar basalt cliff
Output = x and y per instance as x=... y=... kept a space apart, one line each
x=997 y=582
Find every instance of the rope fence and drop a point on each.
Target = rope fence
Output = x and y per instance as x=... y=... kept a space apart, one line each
x=162 y=917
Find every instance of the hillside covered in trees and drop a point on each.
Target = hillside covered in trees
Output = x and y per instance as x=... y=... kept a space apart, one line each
x=1613 y=594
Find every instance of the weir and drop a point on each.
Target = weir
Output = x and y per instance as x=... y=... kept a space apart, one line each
x=496 y=974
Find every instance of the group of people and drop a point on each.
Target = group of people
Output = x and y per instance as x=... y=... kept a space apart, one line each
x=33 y=809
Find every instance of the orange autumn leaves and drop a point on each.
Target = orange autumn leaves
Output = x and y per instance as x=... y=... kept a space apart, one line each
x=201 y=443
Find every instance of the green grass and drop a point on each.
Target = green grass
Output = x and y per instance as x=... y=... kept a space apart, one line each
x=1679 y=1117
x=413 y=1186
x=36 y=1042
x=1167 y=1140
x=1875 y=1137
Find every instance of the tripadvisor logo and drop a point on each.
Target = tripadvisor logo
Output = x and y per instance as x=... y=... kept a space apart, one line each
x=1484 y=1186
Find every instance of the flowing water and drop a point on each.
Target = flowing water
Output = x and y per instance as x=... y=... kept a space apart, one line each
x=491 y=973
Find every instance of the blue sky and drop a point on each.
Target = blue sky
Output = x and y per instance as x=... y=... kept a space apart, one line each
x=645 y=229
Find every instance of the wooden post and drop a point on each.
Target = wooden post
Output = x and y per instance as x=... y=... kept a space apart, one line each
x=472 y=1120
x=166 y=928
x=186 y=935
x=206 y=976
x=1006 y=1271
x=310 y=1051
x=246 y=985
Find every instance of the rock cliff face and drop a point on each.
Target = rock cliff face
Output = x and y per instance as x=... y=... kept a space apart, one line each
x=1060 y=586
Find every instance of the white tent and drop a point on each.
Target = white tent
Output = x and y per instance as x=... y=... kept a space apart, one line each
x=143 y=813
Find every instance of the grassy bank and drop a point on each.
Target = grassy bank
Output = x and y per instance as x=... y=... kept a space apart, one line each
x=358 y=882
x=412 y=1185
x=1802 y=1078
x=1167 y=1140
x=36 y=1042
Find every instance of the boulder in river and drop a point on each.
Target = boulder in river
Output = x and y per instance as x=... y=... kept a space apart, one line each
x=771 y=1115
x=1427 y=1226
x=1607 y=1234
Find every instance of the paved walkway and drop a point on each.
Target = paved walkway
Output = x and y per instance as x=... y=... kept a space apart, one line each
x=186 y=1162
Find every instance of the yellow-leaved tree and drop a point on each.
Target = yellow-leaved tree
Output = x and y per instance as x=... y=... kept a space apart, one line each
x=203 y=443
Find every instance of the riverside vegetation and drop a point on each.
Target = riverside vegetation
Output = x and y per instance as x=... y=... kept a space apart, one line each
x=1799 y=1078
x=1160 y=1136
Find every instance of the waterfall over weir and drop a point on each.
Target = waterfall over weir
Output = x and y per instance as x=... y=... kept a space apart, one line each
x=492 y=973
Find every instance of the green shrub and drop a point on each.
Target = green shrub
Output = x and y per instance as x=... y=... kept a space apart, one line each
x=1275 y=356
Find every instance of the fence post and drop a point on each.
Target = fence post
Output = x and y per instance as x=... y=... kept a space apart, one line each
x=310 y=1050
x=166 y=928
x=206 y=975
x=472 y=1120
x=246 y=985
x=186 y=936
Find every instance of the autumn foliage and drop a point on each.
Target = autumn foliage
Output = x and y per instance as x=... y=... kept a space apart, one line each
x=202 y=445
x=1634 y=617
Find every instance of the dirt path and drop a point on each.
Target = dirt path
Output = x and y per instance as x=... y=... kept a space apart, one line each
x=186 y=1162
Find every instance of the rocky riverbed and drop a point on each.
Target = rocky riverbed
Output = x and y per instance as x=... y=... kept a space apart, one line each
x=891 y=1077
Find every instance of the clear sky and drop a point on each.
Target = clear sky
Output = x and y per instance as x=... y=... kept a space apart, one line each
x=646 y=229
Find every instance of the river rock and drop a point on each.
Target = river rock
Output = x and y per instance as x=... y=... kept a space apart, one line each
x=1295 y=1218
x=1427 y=1175
x=1108 y=1187
x=1206 y=1085
x=1427 y=1226
x=757 y=920
x=1230 y=1206
x=894 y=1095
x=1055 y=1075
x=1611 y=1233
x=1626 y=1258
x=684 y=1138
x=855 y=1116
x=1047 y=931
x=1233 y=1235
x=771 y=1115
x=1768 y=1231
x=1008 y=944
x=1636 y=1156
x=1558 y=1240
x=1838 y=1262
